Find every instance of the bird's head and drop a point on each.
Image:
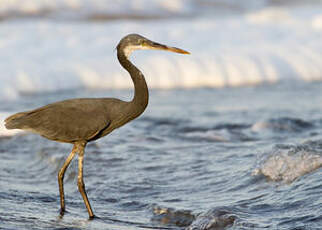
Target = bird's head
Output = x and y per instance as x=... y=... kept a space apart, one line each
x=133 y=42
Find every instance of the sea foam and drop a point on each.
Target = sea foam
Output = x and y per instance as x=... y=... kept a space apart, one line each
x=263 y=46
x=287 y=163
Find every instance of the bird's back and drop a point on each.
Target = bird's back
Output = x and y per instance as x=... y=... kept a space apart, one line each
x=70 y=120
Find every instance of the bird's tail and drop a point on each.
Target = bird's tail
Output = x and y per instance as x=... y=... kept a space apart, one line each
x=14 y=121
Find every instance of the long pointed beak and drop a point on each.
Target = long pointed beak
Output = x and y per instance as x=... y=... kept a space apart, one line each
x=155 y=45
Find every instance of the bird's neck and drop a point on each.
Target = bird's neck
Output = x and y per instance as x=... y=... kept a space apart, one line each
x=141 y=93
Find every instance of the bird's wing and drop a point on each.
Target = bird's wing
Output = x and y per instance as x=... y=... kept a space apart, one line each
x=68 y=121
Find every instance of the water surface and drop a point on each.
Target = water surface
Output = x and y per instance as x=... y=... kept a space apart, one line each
x=248 y=158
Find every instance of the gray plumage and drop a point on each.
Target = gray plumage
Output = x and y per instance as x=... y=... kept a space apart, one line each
x=78 y=121
x=73 y=120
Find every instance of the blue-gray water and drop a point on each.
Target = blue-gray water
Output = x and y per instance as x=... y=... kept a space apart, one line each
x=204 y=151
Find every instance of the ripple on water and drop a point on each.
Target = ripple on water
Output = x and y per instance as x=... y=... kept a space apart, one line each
x=170 y=216
x=198 y=171
x=283 y=124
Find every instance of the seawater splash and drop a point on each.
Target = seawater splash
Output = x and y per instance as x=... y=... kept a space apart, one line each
x=288 y=162
x=216 y=218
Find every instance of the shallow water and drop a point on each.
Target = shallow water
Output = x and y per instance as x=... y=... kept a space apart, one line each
x=234 y=158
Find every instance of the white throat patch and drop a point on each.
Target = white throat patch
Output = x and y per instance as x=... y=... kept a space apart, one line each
x=129 y=49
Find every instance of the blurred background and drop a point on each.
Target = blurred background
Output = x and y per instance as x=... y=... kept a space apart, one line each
x=47 y=46
x=232 y=136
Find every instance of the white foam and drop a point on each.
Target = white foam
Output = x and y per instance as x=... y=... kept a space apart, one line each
x=286 y=166
x=234 y=51
x=270 y=15
x=121 y=8
x=89 y=7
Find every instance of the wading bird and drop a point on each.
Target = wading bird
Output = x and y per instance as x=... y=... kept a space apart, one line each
x=79 y=121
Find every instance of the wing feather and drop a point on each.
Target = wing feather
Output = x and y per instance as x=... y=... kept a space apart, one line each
x=66 y=121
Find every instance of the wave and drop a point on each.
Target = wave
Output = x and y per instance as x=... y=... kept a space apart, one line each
x=87 y=9
x=288 y=162
x=241 y=50
x=283 y=124
x=131 y=9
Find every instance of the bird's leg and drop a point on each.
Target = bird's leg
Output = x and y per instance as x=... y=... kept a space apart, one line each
x=61 y=174
x=80 y=182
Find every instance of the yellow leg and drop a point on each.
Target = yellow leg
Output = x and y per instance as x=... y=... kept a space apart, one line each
x=80 y=182
x=61 y=174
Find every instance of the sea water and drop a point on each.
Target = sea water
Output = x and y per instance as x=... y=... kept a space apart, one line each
x=231 y=138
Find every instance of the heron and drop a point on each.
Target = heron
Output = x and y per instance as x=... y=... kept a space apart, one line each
x=82 y=120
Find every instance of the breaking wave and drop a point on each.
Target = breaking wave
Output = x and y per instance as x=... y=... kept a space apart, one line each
x=288 y=162
x=262 y=46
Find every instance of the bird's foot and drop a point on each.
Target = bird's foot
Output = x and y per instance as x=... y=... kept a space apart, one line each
x=62 y=211
x=93 y=217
